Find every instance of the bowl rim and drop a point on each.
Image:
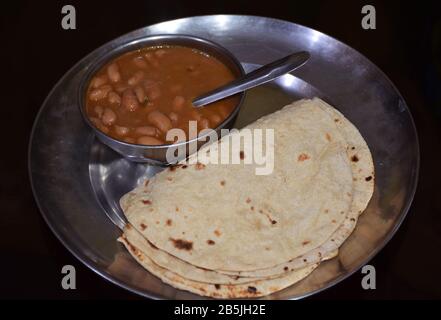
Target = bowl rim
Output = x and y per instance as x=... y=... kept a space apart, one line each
x=128 y=46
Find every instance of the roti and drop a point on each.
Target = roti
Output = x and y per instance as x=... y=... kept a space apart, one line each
x=201 y=226
x=178 y=266
x=363 y=187
x=203 y=210
x=252 y=289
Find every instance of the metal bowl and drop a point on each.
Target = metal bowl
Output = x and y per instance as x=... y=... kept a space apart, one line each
x=156 y=154
x=77 y=181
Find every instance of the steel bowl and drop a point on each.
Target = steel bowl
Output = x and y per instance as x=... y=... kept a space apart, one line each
x=156 y=154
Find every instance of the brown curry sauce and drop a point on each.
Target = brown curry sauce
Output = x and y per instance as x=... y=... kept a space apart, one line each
x=140 y=95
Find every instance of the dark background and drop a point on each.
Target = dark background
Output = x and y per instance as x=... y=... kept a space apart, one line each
x=35 y=52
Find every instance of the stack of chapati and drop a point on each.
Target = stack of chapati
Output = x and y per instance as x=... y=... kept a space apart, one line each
x=222 y=231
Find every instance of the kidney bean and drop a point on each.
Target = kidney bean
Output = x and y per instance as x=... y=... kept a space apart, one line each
x=99 y=111
x=98 y=124
x=98 y=81
x=121 y=87
x=178 y=103
x=114 y=98
x=147 y=140
x=215 y=119
x=146 y=131
x=173 y=117
x=129 y=140
x=121 y=131
x=140 y=62
x=129 y=100
x=113 y=72
x=100 y=93
x=140 y=94
x=195 y=115
x=109 y=117
x=136 y=78
x=204 y=123
x=159 y=120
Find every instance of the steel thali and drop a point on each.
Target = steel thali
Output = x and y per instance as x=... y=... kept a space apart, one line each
x=77 y=181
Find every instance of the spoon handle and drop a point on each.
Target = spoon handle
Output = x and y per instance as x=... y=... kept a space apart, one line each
x=259 y=76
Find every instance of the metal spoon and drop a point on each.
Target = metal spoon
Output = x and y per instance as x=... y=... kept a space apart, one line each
x=256 y=77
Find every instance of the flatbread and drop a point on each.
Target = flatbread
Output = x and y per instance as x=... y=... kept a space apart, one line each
x=363 y=187
x=178 y=266
x=181 y=272
x=248 y=290
x=200 y=210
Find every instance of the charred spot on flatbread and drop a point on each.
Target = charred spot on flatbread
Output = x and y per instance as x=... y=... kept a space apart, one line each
x=182 y=244
x=252 y=289
x=302 y=157
x=199 y=166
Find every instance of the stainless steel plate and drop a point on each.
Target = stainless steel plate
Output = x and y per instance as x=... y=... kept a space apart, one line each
x=77 y=181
